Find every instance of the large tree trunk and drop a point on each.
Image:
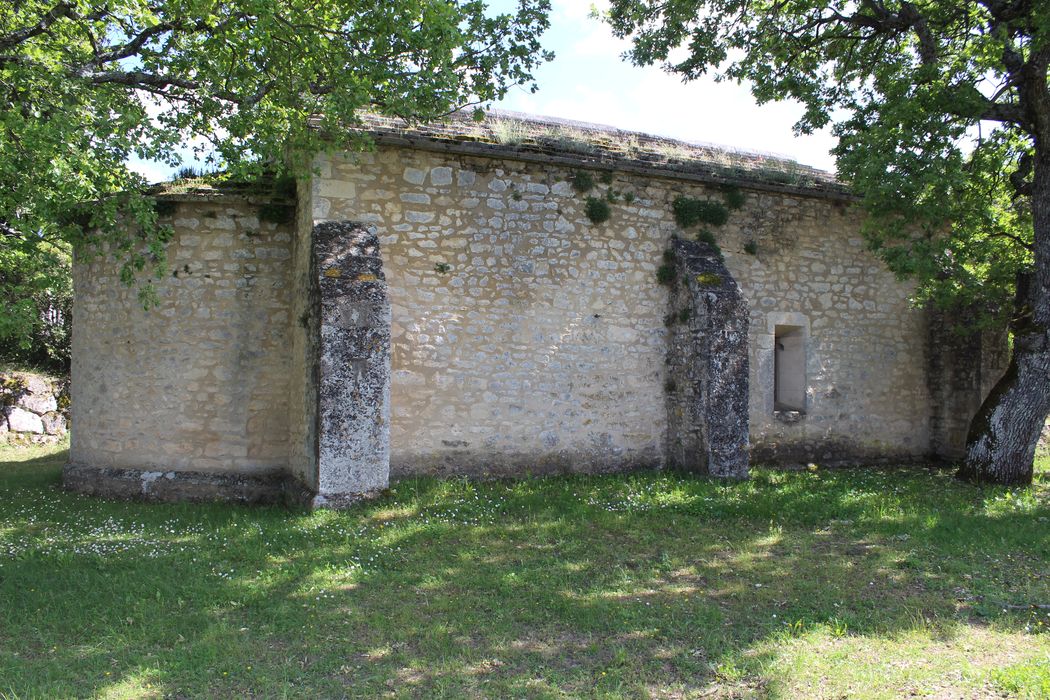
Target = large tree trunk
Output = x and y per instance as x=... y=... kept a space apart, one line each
x=1000 y=447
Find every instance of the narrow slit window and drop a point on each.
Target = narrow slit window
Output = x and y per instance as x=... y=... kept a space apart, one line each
x=789 y=369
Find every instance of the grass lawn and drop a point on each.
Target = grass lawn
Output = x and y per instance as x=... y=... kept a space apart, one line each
x=862 y=583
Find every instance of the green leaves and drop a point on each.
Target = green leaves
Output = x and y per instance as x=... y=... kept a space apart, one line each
x=84 y=86
x=927 y=103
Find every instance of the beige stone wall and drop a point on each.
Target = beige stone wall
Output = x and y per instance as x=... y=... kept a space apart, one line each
x=543 y=343
x=200 y=382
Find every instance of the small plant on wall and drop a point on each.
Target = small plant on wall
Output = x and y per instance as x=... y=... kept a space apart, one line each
x=597 y=210
x=582 y=181
x=665 y=274
x=691 y=211
x=596 y=207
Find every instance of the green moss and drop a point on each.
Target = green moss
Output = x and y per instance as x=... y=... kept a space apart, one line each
x=442 y=268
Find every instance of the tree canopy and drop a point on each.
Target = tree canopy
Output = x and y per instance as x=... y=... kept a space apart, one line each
x=942 y=112
x=87 y=84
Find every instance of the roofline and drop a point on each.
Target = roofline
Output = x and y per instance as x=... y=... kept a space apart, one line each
x=609 y=163
x=458 y=136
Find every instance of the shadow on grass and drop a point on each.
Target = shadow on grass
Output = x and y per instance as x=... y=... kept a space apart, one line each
x=556 y=587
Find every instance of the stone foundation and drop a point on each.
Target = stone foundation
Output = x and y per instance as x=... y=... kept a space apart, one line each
x=190 y=486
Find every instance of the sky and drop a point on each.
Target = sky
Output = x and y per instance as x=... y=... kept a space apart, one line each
x=590 y=81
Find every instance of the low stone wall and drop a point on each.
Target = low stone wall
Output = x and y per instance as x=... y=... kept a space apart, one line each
x=35 y=408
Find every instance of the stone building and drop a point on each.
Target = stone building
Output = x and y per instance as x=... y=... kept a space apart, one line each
x=511 y=297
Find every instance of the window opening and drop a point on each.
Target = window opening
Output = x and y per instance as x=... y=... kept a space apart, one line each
x=789 y=369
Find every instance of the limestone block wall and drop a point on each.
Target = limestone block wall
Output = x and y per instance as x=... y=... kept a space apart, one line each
x=199 y=382
x=526 y=337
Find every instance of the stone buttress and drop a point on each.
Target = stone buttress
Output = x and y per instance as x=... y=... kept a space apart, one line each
x=353 y=388
x=707 y=365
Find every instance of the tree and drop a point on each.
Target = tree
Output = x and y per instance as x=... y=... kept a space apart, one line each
x=943 y=116
x=87 y=84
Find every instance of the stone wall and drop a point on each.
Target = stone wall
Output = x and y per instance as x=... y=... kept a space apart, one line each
x=35 y=408
x=526 y=338
x=199 y=382
x=523 y=336
x=964 y=363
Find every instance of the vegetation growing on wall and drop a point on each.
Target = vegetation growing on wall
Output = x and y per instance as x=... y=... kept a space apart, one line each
x=692 y=211
x=582 y=181
x=665 y=274
x=597 y=210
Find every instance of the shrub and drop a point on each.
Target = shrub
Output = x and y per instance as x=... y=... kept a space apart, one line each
x=597 y=210
x=582 y=181
x=733 y=197
x=665 y=274
x=689 y=211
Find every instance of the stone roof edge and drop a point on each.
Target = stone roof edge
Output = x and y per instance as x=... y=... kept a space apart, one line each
x=610 y=163
x=218 y=196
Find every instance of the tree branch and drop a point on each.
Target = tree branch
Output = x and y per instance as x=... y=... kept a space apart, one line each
x=62 y=9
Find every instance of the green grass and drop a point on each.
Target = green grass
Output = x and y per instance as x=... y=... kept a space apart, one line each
x=863 y=583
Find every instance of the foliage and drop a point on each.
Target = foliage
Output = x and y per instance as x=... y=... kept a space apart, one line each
x=254 y=86
x=597 y=210
x=690 y=211
x=582 y=181
x=826 y=583
x=705 y=235
x=665 y=274
x=734 y=197
x=751 y=248
x=36 y=296
x=936 y=103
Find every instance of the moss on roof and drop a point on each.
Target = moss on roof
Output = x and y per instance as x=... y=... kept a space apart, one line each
x=516 y=135
x=220 y=184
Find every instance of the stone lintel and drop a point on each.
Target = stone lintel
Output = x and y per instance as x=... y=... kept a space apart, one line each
x=354 y=365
